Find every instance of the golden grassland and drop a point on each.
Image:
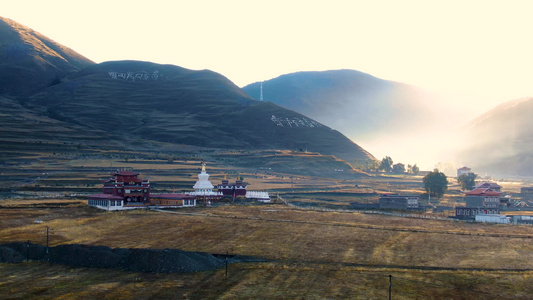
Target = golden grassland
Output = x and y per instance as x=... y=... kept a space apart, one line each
x=313 y=254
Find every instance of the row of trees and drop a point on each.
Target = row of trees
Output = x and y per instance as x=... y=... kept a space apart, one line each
x=386 y=165
x=435 y=182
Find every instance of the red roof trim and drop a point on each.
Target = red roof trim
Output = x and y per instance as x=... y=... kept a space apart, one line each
x=105 y=197
x=483 y=192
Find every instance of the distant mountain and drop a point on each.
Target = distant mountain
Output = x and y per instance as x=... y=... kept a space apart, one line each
x=353 y=102
x=500 y=141
x=372 y=111
x=165 y=103
x=30 y=61
x=53 y=96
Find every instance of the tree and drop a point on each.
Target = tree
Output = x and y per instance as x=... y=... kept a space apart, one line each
x=357 y=165
x=372 y=165
x=467 y=181
x=435 y=183
x=386 y=164
x=415 y=169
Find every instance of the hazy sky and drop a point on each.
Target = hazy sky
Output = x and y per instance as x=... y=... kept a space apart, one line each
x=481 y=49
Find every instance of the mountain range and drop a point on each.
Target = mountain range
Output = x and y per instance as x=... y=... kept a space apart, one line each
x=405 y=120
x=389 y=118
x=50 y=93
x=358 y=104
x=126 y=103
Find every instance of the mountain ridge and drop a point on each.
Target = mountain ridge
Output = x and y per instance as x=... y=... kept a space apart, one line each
x=171 y=104
x=30 y=61
x=386 y=117
x=348 y=100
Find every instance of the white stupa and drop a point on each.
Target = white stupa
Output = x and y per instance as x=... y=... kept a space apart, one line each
x=203 y=186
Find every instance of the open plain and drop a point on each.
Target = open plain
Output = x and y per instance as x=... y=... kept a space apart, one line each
x=309 y=254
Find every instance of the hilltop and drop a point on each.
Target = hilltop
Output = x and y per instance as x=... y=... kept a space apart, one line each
x=165 y=103
x=31 y=61
x=360 y=105
x=385 y=117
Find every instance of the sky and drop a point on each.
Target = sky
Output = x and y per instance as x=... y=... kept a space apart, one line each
x=477 y=53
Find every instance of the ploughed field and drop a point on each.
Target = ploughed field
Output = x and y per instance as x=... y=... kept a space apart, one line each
x=310 y=254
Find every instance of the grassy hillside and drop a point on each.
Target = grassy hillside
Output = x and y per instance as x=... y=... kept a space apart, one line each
x=55 y=96
x=163 y=103
x=361 y=106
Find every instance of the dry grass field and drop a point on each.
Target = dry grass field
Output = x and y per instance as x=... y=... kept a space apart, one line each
x=312 y=255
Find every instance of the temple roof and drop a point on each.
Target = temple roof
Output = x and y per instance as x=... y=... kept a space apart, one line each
x=105 y=197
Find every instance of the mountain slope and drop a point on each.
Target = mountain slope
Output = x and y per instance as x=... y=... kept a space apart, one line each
x=500 y=141
x=350 y=101
x=381 y=115
x=165 y=103
x=30 y=61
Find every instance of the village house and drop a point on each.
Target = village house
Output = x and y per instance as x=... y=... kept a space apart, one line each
x=396 y=201
x=526 y=193
x=488 y=218
x=463 y=170
x=479 y=201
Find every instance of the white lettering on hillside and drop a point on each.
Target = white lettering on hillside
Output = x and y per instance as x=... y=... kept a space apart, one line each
x=294 y=122
x=135 y=76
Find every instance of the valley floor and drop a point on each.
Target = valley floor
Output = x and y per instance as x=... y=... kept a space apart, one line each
x=314 y=254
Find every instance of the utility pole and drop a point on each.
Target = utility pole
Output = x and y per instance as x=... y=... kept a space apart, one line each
x=390 y=287
x=226 y=264
x=261 y=93
x=47 y=230
x=28 y=250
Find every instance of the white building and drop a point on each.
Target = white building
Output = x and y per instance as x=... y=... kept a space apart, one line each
x=463 y=170
x=204 y=187
x=491 y=218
